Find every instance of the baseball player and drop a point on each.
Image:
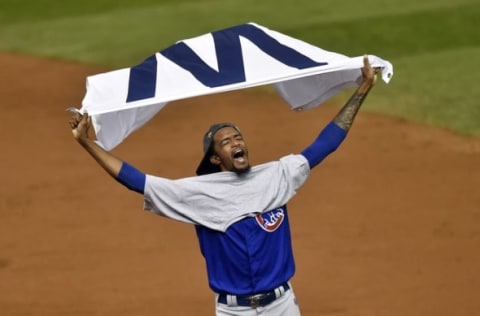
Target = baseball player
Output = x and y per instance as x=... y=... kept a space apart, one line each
x=239 y=211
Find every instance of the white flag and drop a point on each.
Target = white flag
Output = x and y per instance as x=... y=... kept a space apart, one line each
x=238 y=57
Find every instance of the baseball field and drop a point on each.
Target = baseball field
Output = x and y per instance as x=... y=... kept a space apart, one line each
x=387 y=225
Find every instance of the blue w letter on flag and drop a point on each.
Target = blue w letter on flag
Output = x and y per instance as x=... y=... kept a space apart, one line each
x=229 y=56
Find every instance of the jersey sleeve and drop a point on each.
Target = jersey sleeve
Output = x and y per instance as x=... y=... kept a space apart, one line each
x=132 y=178
x=327 y=142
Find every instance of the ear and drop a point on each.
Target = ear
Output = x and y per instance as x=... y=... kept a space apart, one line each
x=215 y=160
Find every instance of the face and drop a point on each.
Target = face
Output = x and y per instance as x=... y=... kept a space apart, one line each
x=231 y=152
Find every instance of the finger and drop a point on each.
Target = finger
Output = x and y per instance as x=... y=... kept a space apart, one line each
x=78 y=116
x=86 y=119
x=366 y=63
x=73 y=122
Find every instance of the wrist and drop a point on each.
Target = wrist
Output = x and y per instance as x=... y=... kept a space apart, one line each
x=82 y=139
x=365 y=86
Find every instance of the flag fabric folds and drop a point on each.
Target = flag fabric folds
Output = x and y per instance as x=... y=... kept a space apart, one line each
x=239 y=57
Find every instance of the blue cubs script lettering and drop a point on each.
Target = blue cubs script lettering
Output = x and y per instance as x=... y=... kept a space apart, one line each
x=229 y=58
x=270 y=221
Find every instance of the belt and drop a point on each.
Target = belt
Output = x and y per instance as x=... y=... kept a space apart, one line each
x=257 y=300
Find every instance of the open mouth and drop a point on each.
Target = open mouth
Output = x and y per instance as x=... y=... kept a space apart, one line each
x=239 y=155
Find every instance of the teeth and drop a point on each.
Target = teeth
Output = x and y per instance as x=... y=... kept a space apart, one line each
x=238 y=153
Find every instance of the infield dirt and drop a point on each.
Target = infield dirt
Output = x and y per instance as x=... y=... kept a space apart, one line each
x=387 y=225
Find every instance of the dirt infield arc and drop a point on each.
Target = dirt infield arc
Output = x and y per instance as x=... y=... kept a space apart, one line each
x=388 y=225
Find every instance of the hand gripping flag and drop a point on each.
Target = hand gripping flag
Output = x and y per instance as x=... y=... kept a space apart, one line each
x=238 y=57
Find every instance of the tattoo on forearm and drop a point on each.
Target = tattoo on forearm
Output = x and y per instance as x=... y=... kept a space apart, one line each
x=347 y=114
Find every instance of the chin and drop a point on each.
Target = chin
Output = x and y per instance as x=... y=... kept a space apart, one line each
x=242 y=170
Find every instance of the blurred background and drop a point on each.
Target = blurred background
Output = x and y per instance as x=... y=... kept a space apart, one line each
x=433 y=44
x=389 y=226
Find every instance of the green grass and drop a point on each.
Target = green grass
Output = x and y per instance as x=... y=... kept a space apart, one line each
x=433 y=44
x=445 y=96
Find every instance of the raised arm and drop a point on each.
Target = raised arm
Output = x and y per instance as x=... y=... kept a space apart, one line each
x=334 y=133
x=80 y=125
x=344 y=119
x=118 y=169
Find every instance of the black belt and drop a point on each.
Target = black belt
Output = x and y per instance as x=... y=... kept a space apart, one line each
x=257 y=300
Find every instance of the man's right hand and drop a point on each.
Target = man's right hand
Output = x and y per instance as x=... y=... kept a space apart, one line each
x=80 y=125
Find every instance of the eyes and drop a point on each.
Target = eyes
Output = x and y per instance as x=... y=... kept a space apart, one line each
x=228 y=140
